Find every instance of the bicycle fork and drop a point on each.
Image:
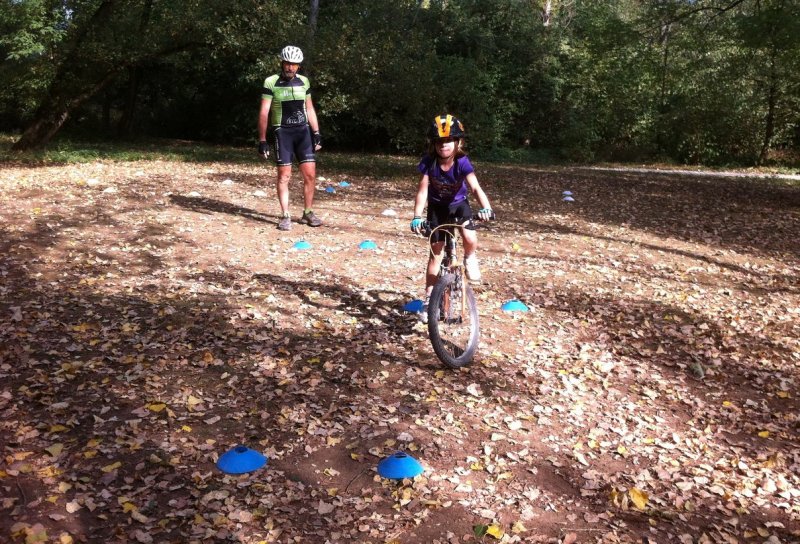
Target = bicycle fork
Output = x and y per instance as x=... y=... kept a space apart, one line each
x=457 y=285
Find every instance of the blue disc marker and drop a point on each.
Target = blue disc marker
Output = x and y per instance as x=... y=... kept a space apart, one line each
x=414 y=306
x=514 y=306
x=368 y=244
x=399 y=466
x=240 y=460
x=302 y=244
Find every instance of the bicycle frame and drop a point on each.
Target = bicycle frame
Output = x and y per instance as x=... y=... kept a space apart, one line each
x=450 y=262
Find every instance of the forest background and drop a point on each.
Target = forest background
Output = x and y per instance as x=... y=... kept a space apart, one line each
x=706 y=81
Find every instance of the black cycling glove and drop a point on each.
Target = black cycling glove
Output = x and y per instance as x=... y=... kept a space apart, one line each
x=317 y=138
x=263 y=149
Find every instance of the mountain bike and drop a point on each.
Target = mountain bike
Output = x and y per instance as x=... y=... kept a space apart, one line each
x=453 y=325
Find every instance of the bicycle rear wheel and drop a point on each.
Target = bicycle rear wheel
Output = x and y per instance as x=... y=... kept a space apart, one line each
x=453 y=321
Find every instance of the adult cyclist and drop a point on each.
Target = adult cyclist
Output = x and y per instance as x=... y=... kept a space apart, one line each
x=286 y=106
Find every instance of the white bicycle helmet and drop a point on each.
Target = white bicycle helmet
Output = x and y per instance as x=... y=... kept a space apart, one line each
x=292 y=54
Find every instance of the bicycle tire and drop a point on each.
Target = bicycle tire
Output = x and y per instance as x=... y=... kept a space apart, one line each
x=454 y=341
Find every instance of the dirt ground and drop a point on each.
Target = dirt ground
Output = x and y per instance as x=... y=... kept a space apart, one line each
x=152 y=318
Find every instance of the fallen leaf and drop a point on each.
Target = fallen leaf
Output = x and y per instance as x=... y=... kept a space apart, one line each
x=72 y=507
x=142 y=537
x=638 y=497
x=112 y=466
x=496 y=531
x=55 y=449
x=474 y=389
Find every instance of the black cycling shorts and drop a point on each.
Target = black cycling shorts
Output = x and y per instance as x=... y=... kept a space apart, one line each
x=442 y=214
x=293 y=142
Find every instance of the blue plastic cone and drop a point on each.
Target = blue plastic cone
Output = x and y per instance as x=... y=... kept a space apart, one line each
x=414 y=306
x=568 y=199
x=367 y=244
x=567 y=193
x=330 y=189
x=344 y=184
x=302 y=244
x=241 y=459
x=514 y=306
x=399 y=466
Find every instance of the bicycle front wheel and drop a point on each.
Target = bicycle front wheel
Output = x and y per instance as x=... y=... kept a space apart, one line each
x=453 y=321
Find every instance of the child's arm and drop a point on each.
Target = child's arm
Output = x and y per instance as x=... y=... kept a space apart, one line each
x=422 y=196
x=472 y=181
x=419 y=203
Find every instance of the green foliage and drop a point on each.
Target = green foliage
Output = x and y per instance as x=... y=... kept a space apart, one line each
x=29 y=33
x=617 y=80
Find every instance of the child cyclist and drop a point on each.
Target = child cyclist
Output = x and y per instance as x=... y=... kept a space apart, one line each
x=447 y=178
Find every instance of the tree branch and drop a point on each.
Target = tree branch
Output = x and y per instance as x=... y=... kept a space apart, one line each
x=719 y=11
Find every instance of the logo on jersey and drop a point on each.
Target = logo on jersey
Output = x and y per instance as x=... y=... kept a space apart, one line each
x=444 y=188
x=297 y=118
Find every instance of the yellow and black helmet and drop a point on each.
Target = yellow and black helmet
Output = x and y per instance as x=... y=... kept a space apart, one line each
x=446 y=126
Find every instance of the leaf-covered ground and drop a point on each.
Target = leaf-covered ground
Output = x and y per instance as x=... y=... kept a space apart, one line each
x=152 y=318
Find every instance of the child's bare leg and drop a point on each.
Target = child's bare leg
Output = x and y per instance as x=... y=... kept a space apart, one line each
x=470 y=239
x=471 y=267
x=434 y=263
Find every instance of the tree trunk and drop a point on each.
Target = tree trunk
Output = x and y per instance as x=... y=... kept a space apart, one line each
x=662 y=99
x=41 y=130
x=125 y=126
x=52 y=115
x=313 y=15
x=107 y=104
x=772 y=101
x=546 y=12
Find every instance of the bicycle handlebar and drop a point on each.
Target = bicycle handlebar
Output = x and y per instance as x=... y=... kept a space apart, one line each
x=426 y=229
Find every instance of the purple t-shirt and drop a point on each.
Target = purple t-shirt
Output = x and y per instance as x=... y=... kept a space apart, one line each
x=446 y=187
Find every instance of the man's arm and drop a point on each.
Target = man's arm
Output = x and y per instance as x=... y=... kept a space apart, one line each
x=313 y=122
x=263 y=119
x=312 y=115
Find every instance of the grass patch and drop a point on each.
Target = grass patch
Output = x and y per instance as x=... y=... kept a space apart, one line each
x=67 y=151
x=525 y=155
x=70 y=151
x=369 y=165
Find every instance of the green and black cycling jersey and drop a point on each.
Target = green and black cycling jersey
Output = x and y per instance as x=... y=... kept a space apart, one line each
x=288 y=107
